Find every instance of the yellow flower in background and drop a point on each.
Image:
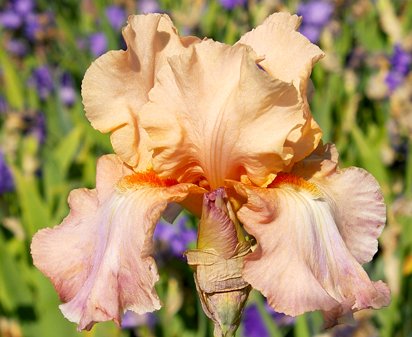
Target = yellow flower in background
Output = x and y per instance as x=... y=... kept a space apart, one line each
x=227 y=132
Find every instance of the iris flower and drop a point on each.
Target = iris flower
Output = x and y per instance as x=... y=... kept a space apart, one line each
x=227 y=132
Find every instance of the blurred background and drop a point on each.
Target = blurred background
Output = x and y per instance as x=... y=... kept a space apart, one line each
x=362 y=100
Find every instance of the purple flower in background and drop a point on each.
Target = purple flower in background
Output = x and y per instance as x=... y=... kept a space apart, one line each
x=116 y=16
x=311 y=32
x=39 y=128
x=132 y=320
x=36 y=126
x=98 y=43
x=401 y=62
x=230 y=4
x=148 y=6
x=177 y=237
x=280 y=319
x=66 y=91
x=17 y=47
x=20 y=14
x=316 y=15
x=3 y=105
x=32 y=26
x=43 y=81
x=23 y=7
x=6 y=178
x=10 y=19
x=394 y=80
x=254 y=325
x=347 y=331
x=316 y=12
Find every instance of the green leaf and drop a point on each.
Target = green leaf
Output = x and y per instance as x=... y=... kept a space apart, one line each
x=35 y=213
x=12 y=81
x=322 y=105
x=14 y=291
x=57 y=166
x=408 y=169
x=301 y=327
x=66 y=150
x=368 y=32
x=370 y=156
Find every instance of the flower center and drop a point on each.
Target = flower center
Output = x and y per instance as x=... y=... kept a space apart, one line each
x=219 y=228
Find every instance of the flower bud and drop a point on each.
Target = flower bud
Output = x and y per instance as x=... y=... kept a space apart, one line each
x=218 y=262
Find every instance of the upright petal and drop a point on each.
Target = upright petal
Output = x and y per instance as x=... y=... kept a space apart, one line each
x=322 y=162
x=214 y=114
x=302 y=262
x=117 y=84
x=99 y=258
x=289 y=56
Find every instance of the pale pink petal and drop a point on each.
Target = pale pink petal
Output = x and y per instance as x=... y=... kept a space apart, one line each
x=99 y=258
x=110 y=169
x=214 y=114
x=360 y=208
x=301 y=262
x=117 y=84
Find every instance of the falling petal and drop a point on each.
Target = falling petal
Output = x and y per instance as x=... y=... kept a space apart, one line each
x=99 y=258
x=302 y=230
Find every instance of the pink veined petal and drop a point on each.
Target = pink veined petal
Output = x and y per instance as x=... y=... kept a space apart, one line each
x=359 y=204
x=116 y=85
x=110 y=170
x=360 y=210
x=301 y=262
x=99 y=258
x=215 y=114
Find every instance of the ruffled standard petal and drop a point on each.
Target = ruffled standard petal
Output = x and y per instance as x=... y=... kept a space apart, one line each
x=301 y=262
x=289 y=56
x=117 y=84
x=214 y=114
x=99 y=258
x=322 y=162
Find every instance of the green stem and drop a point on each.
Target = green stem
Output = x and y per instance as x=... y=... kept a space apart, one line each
x=202 y=321
x=301 y=327
x=408 y=173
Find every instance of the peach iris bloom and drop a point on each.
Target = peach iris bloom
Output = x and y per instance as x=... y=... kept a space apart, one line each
x=188 y=116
